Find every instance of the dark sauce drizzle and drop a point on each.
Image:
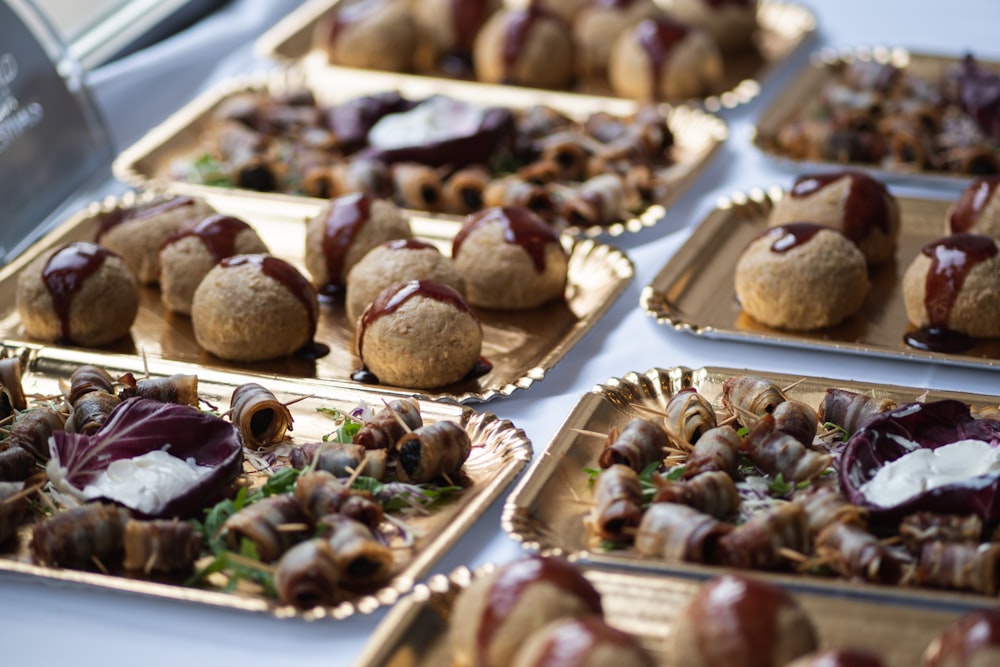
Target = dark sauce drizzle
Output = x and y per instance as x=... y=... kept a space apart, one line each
x=217 y=232
x=521 y=227
x=64 y=275
x=659 y=37
x=866 y=206
x=971 y=203
x=347 y=215
x=120 y=215
x=792 y=235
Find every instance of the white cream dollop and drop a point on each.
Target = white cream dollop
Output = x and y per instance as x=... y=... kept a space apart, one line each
x=145 y=482
x=924 y=469
x=437 y=119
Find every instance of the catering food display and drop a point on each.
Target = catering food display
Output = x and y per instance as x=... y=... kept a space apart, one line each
x=897 y=112
x=679 y=472
x=320 y=503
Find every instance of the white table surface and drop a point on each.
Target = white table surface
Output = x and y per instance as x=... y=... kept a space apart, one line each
x=52 y=624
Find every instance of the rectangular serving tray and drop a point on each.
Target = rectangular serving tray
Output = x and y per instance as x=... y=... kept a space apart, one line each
x=521 y=345
x=414 y=632
x=149 y=162
x=695 y=293
x=805 y=88
x=546 y=510
x=500 y=451
x=784 y=27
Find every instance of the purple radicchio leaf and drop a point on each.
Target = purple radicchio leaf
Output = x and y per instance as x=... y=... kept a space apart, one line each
x=929 y=425
x=138 y=426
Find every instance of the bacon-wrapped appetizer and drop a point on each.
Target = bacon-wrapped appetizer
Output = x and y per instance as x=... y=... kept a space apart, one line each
x=80 y=537
x=160 y=546
x=273 y=524
x=750 y=394
x=854 y=553
x=10 y=386
x=797 y=420
x=824 y=504
x=680 y=533
x=717 y=449
x=178 y=388
x=16 y=464
x=337 y=458
x=688 y=416
x=31 y=431
x=417 y=186
x=763 y=542
x=86 y=379
x=641 y=442
x=922 y=527
x=91 y=411
x=13 y=505
x=432 y=451
x=463 y=190
x=617 y=507
x=392 y=422
x=778 y=453
x=362 y=560
x=960 y=566
x=307 y=575
x=261 y=419
x=850 y=410
x=320 y=493
x=713 y=493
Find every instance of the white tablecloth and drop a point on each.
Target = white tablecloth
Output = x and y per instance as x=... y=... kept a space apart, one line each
x=55 y=624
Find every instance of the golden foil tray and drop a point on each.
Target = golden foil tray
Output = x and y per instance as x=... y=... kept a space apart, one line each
x=546 y=510
x=148 y=162
x=500 y=451
x=800 y=96
x=414 y=633
x=694 y=292
x=784 y=27
x=522 y=345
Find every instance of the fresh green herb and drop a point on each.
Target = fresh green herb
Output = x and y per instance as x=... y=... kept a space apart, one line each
x=207 y=170
x=836 y=428
x=743 y=431
x=675 y=474
x=609 y=545
x=396 y=496
x=347 y=426
x=779 y=486
x=592 y=474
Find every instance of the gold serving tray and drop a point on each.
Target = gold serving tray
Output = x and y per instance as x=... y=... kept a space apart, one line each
x=522 y=345
x=414 y=633
x=784 y=28
x=694 y=292
x=500 y=451
x=546 y=511
x=798 y=97
x=147 y=163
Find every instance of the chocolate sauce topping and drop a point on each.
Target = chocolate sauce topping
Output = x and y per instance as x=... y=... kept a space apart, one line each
x=519 y=26
x=286 y=274
x=792 y=235
x=659 y=37
x=392 y=298
x=718 y=4
x=410 y=244
x=951 y=260
x=467 y=17
x=217 y=232
x=740 y=608
x=613 y=4
x=866 y=206
x=570 y=644
x=971 y=203
x=970 y=634
x=65 y=273
x=147 y=210
x=521 y=227
x=347 y=215
x=514 y=579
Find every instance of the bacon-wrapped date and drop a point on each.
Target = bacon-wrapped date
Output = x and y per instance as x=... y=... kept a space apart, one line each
x=91 y=411
x=13 y=505
x=761 y=542
x=751 y=394
x=850 y=410
x=10 y=386
x=680 y=533
x=86 y=379
x=273 y=524
x=922 y=527
x=797 y=420
x=307 y=575
x=463 y=191
x=717 y=449
x=854 y=553
x=688 y=416
x=261 y=419
x=31 y=431
x=776 y=453
x=427 y=453
x=640 y=443
x=160 y=545
x=389 y=424
x=960 y=566
x=16 y=464
x=362 y=560
x=417 y=186
x=713 y=493
x=617 y=507
x=178 y=388
x=320 y=493
x=824 y=504
x=78 y=537
x=339 y=459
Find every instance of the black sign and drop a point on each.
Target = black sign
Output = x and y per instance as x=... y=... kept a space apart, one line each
x=50 y=142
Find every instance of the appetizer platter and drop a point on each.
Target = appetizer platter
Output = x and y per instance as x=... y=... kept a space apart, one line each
x=695 y=292
x=749 y=497
x=520 y=345
x=753 y=39
x=240 y=537
x=901 y=115
x=295 y=134
x=650 y=608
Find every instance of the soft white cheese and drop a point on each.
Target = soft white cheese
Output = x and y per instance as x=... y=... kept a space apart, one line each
x=437 y=119
x=924 y=469
x=146 y=481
